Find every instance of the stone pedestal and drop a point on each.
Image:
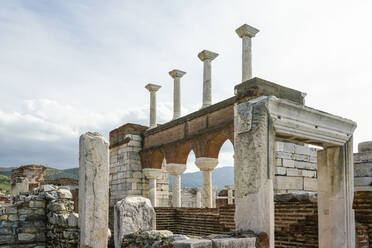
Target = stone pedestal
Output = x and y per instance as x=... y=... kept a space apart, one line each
x=246 y=32
x=176 y=171
x=206 y=165
x=152 y=175
x=93 y=190
x=254 y=156
x=207 y=57
x=176 y=75
x=335 y=197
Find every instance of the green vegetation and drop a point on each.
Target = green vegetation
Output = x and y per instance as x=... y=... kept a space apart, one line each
x=55 y=173
x=5 y=183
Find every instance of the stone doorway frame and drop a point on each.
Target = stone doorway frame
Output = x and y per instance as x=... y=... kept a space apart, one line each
x=258 y=123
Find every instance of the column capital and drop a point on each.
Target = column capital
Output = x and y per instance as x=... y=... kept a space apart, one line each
x=176 y=73
x=206 y=164
x=207 y=55
x=151 y=173
x=175 y=169
x=246 y=31
x=152 y=87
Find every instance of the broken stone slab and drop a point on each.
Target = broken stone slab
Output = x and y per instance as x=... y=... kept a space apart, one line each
x=132 y=214
x=234 y=243
x=193 y=243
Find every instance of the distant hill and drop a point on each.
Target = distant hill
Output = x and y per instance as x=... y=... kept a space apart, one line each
x=220 y=177
x=52 y=173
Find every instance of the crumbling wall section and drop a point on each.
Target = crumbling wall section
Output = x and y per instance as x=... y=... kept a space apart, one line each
x=41 y=218
x=26 y=177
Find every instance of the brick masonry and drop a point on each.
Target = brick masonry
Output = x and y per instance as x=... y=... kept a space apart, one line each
x=296 y=220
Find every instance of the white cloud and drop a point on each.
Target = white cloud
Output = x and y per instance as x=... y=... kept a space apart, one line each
x=85 y=64
x=45 y=126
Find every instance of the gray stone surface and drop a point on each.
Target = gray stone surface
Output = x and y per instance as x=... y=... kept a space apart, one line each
x=234 y=243
x=93 y=190
x=193 y=243
x=132 y=214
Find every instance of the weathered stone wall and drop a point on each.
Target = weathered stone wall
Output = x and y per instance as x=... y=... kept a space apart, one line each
x=126 y=177
x=62 y=222
x=23 y=224
x=296 y=168
x=41 y=218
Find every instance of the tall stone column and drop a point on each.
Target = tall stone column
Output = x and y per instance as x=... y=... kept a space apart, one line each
x=152 y=175
x=153 y=88
x=176 y=171
x=176 y=75
x=93 y=190
x=206 y=165
x=207 y=57
x=246 y=32
x=335 y=197
x=254 y=159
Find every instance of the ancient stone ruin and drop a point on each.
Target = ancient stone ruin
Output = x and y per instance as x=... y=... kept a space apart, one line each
x=297 y=182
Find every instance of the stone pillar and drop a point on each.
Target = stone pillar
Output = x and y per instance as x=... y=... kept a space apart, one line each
x=246 y=32
x=176 y=75
x=153 y=88
x=152 y=175
x=176 y=171
x=207 y=57
x=198 y=198
x=206 y=165
x=254 y=159
x=335 y=197
x=93 y=190
x=230 y=196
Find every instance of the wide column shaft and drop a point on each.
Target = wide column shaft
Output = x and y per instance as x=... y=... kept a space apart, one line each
x=152 y=109
x=207 y=83
x=335 y=197
x=93 y=190
x=207 y=190
x=254 y=156
x=246 y=58
x=177 y=98
x=176 y=191
x=152 y=191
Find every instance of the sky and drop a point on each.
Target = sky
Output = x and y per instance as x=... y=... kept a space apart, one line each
x=68 y=67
